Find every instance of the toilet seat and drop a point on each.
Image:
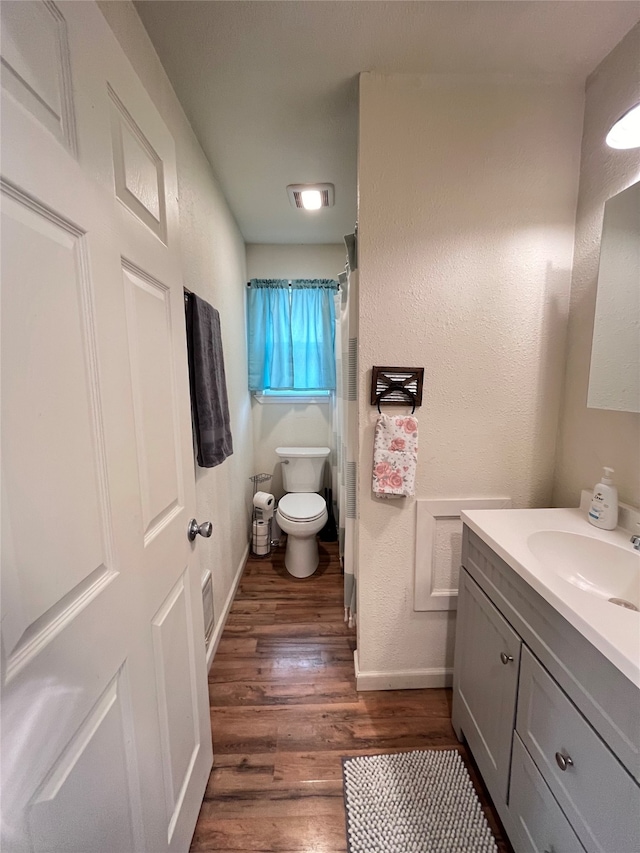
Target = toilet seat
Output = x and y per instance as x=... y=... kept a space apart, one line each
x=302 y=506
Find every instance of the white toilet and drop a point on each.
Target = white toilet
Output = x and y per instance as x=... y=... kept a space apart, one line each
x=302 y=513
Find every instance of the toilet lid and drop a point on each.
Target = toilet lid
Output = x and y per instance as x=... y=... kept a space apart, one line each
x=302 y=506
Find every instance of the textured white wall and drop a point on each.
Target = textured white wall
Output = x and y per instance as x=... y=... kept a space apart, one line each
x=467 y=198
x=213 y=262
x=591 y=438
x=303 y=424
x=272 y=260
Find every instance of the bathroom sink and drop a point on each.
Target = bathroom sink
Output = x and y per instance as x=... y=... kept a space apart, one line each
x=576 y=569
x=601 y=568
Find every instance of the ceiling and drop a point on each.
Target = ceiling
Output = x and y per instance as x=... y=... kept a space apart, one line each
x=271 y=87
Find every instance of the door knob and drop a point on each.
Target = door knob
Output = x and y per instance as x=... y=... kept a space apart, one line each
x=505 y=658
x=205 y=529
x=563 y=761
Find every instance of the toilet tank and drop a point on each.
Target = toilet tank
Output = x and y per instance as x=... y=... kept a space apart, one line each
x=302 y=467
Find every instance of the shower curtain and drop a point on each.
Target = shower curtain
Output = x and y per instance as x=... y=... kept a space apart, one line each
x=345 y=427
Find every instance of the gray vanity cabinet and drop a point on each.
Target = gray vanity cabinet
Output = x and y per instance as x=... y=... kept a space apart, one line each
x=553 y=726
x=486 y=683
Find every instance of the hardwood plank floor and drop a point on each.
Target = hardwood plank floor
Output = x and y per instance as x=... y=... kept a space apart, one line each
x=285 y=710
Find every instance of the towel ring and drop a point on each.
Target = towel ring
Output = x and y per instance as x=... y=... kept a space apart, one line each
x=403 y=390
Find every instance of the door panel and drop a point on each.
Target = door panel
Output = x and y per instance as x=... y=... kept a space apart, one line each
x=149 y=323
x=104 y=741
x=138 y=170
x=51 y=396
x=177 y=696
x=105 y=715
x=35 y=60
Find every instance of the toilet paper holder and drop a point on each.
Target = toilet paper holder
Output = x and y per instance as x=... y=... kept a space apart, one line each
x=261 y=516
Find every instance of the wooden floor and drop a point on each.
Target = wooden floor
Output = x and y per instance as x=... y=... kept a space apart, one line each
x=285 y=710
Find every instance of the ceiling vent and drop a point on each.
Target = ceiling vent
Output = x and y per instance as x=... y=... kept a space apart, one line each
x=311 y=196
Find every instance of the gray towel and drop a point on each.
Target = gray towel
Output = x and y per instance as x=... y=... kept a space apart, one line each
x=209 y=404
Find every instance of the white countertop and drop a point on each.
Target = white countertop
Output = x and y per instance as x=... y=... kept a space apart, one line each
x=614 y=631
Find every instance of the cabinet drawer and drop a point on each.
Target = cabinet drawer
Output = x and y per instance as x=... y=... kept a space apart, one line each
x=539 y=820
x=598 y=796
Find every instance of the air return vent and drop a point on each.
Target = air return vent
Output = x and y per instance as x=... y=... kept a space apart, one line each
x=207 y=606
x=311 y=196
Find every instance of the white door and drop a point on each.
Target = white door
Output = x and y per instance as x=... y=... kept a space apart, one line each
x=106 y=741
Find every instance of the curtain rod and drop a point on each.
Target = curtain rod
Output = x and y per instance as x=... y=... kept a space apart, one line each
x=289 y=280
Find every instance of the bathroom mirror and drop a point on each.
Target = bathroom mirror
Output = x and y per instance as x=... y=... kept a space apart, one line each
x=614 y=377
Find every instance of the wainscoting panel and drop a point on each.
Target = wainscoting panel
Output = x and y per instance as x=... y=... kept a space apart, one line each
x=439 y=548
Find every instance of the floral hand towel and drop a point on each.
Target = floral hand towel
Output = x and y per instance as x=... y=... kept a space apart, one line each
x=395 y=456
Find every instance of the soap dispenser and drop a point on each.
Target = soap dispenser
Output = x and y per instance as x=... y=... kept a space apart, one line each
x=603 y=511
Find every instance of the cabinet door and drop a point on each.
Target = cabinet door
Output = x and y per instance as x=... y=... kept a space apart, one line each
x=487 y=661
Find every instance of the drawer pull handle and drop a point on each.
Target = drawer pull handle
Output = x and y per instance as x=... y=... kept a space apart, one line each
x=563 y=761
x=505 y=658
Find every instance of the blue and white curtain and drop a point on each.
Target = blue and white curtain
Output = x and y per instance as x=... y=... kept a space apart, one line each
x=291 y=328
x=345 y=428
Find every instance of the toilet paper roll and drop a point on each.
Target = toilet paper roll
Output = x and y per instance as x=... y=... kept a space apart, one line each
x=260 y=536
x=261 y=550
x=264 y=501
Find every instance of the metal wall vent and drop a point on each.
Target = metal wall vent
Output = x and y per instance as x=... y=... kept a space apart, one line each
x=394 y=386
x=326 y=194
x=207 y=606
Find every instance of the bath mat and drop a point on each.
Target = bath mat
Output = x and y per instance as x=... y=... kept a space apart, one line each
x=413 y=802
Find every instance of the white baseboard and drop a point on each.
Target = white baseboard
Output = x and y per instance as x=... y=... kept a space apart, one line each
x=217 y=631
x=409 y=679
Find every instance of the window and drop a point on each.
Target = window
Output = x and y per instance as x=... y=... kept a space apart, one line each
x=291 y=331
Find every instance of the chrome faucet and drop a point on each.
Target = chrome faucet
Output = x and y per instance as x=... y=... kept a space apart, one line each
x=635 y=539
